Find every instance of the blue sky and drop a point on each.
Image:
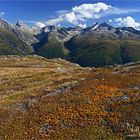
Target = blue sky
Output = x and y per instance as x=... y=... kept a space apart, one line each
x=63 y=13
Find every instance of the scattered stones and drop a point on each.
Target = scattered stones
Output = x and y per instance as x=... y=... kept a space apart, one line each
x=82 y=79
x=43 y=129
x=63 y=89
x=135 y=87
x=66 y=125
x=61 y=69
x=130 y=63
x=23 y=106
x=120 y=98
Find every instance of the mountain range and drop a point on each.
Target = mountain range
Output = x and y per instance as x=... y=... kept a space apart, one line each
x=97 y=45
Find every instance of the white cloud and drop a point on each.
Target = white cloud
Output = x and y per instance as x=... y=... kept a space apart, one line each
x=79 y=14
x=90 y=10
x=82 y=25
x=128 y=22
x=62 y=11
x=2 y=14
x=54 y=21
x=110 y=20
x=40 y=24
x=119 y=11
x=70 y=17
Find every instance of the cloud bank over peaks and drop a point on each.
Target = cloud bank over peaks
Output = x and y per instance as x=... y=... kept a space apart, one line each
x=90 y=10
x=127 y=22
x=78 y=15
x=82 y=14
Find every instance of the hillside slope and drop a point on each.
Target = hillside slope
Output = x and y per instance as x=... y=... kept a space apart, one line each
x=88 y=51
x=55 y=99
x=10 y=44
x=104 y=45
x=97 y=45
x=51 y=47
x=52 y=38
x=20 y=30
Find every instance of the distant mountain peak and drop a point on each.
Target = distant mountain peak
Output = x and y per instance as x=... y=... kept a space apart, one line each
x=93 y=27
x=106 y=25
x=77 y=28
x=96 y=23
x=129 y=29
x=49 y=28
x=21 y=24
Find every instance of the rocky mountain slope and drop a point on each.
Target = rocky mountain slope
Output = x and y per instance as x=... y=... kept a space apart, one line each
x=104 y=44
x=55 y=99
x=10 y=44
x=52 y=41
x=97 y=45
x=20 y=30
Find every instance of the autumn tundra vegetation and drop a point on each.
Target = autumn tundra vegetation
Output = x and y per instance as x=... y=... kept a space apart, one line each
x=53 y=99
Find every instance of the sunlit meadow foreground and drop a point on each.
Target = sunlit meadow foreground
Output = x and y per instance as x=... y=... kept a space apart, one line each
x=44 y=99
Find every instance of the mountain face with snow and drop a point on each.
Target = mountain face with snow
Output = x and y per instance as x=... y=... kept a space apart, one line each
x=52 y=40
x=105 y=45
x=97 y=45
x=61 y=33
x=13 y=40
x=21 y=30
